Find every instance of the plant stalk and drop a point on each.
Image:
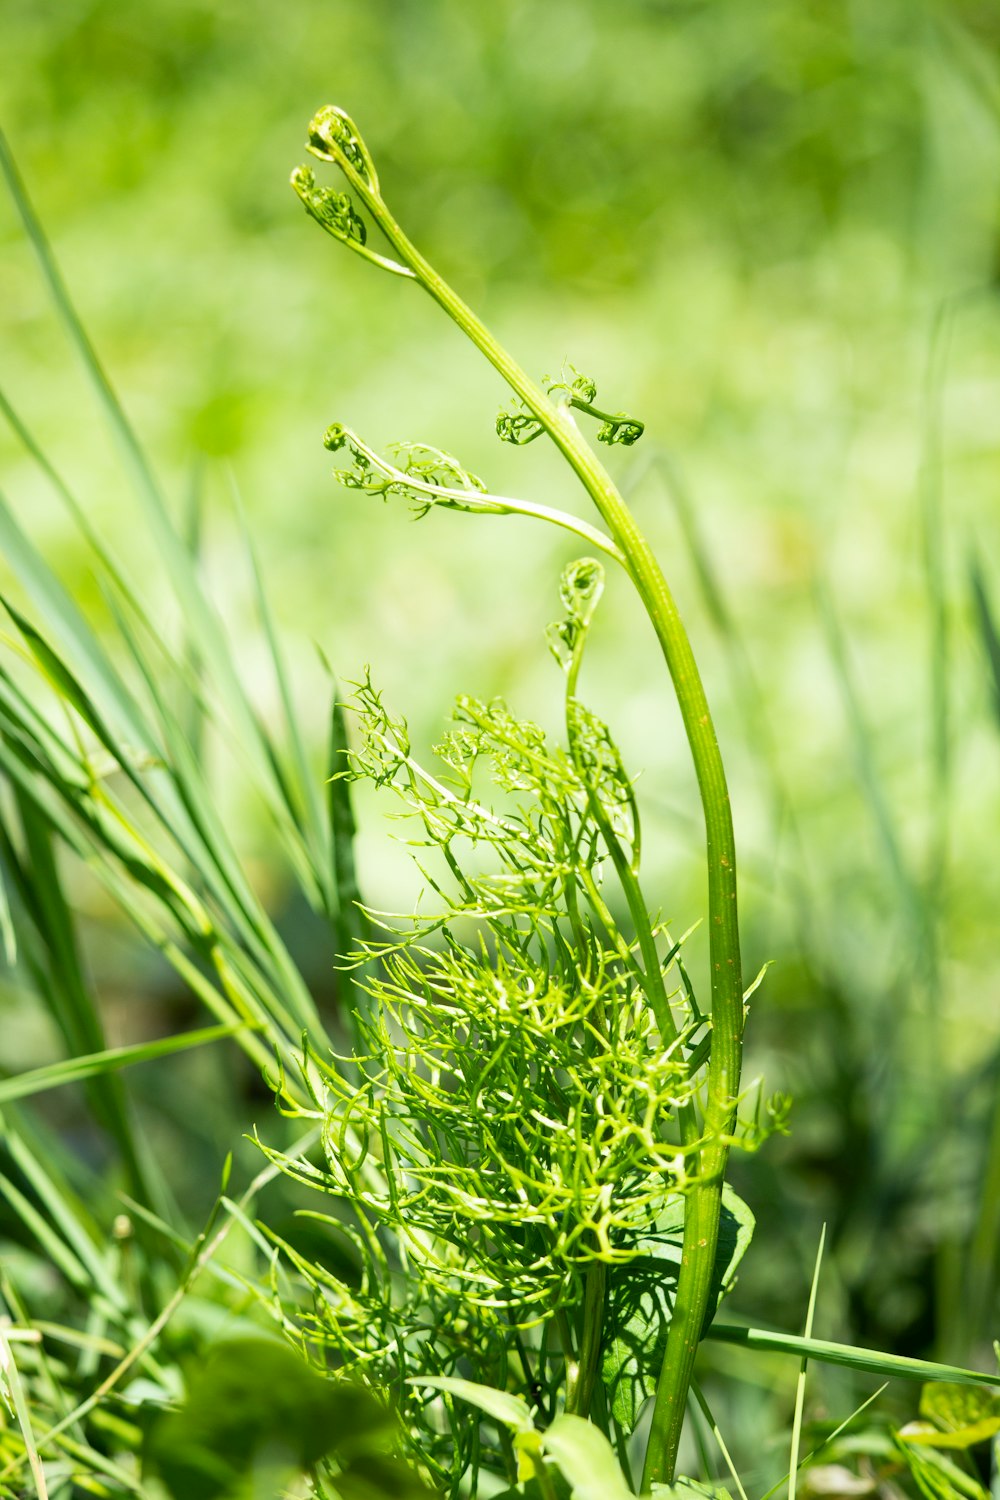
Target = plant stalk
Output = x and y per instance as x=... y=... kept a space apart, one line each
x=580 y=1390
x=704 y=1197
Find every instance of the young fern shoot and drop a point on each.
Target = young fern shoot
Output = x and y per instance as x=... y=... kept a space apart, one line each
x=516 y=1139
x=706 y=1125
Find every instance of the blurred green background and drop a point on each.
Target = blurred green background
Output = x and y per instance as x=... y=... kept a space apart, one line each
x=772 y=231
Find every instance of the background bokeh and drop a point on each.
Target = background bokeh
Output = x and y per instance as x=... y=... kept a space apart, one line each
x=772 y=231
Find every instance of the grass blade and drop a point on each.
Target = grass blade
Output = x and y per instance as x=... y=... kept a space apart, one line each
x=305 y=806
x=75 y=1069
x=827 y=1441
x=800 y=1385
x=849 y=1355
x=932 y=536
x=206 y=1248
x=53 y=957
x=197 y=612
x=716 y=1432
x=871 y=783
x=10 y=1378
x=67 y=1215
x=988 y=632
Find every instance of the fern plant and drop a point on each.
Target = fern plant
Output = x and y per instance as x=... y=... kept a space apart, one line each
x=525 y=1215
x=517 y=1135
x=534 y=1100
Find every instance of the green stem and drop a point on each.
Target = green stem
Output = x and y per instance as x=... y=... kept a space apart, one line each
x=650 y=972
x=704 y=1204
x=704 y=1198
x=580 y=1388
x=651 y=975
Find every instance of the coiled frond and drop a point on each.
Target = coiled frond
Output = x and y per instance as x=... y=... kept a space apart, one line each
x=578 y=391
x=333 y=136
x=428 y=477
x=422 y=474
x=334 y=211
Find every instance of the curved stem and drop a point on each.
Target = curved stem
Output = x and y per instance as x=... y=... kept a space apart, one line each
x=704 y=1203
x=704 y=1198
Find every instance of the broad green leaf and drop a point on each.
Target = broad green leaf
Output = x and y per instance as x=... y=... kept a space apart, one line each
x=638 y=1315
x=690 y=1489
x=641 y=1295
x=586 y=1459
x=953 y=1406
x=736 y=1229
x=954 y=1416
x=926 y=1435
x=555 y=1487
x=255 y=1415
x=510 y=1410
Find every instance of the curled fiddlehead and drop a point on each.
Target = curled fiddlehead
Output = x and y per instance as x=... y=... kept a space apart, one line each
x=580 y=590
x=334 y=212
x=618 y=428
x=518 y=427
x=424 y=475
x=579 y=392
x=428 y=477
x=333 y=137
